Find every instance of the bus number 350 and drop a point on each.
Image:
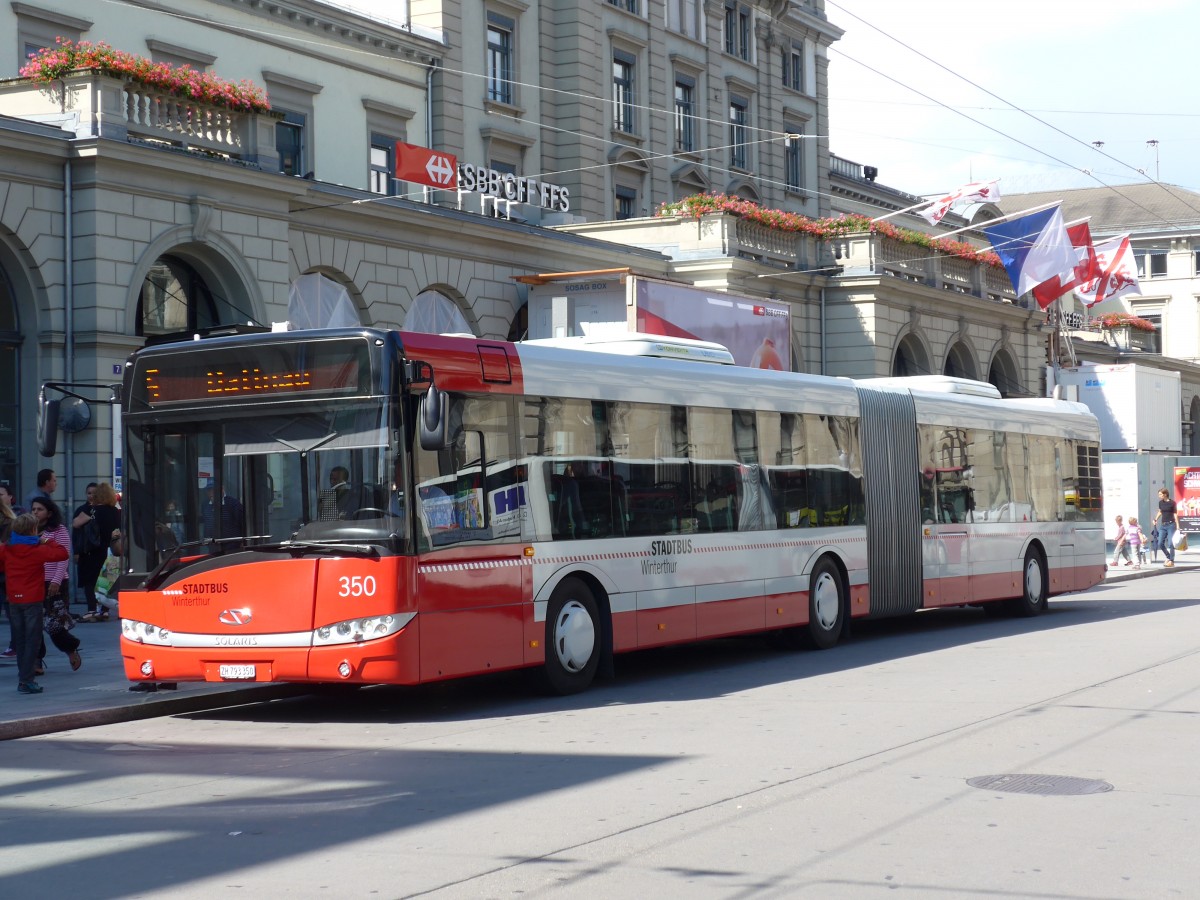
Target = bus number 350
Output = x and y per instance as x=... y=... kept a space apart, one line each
x=357 y=586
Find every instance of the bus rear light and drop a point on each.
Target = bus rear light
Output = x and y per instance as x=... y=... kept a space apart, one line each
x=345 y=669
x=147 y=669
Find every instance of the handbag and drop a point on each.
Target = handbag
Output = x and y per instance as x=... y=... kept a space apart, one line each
x=1179 y=540
x=58 y=619
x=106 y=581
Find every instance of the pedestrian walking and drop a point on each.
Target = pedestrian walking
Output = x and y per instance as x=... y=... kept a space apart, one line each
x=93 y=527
x=24 y=559
x=47 y=484
x=56 y=594
x=1121 y=548
x=1164 y=520
x=1135 y=539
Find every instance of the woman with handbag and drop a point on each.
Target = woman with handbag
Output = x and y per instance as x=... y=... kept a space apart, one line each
x=1164 y=519
x=59 y=622
x=96 y=524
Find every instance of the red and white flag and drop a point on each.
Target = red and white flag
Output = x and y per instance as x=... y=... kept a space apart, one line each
x=1086 y=268
x=975 y=192
x=1118 y=273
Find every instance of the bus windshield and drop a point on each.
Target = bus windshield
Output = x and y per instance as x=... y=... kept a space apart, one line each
x=316 y=472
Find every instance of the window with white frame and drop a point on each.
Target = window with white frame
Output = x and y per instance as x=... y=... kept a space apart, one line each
x=1151 y=262
x=38 y=28
x=739 y=30
x=685 y=113
x=386 y=125
x=731 y=28
x=792 y=66
x=381 y=164
x=794 y=157
x=1150 y=342
x=500 y=34
x=291 y=141
x=739 y=120
x=624 y=105
x=633 y=6
x=294 y=98
x=685 y=17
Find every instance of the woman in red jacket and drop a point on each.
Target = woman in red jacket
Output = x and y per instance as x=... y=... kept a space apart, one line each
x=24 y=559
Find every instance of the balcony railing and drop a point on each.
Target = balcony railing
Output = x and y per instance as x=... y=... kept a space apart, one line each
x=96 y=105
x=876 y=254
x=712 y=236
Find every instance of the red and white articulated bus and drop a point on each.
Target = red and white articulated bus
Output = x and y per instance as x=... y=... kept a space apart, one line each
x=362 y=506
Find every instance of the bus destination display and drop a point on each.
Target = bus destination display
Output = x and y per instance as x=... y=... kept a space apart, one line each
x=192 y=383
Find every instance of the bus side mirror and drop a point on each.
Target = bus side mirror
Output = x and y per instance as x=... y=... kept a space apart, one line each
x=432 y=419
x=47 y=425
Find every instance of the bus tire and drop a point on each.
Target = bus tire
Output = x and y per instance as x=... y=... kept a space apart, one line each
x=1033 y=587
x=826 y=605
x=573 y=641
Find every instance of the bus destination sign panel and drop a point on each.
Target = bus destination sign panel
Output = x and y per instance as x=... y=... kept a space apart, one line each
x=214 y=377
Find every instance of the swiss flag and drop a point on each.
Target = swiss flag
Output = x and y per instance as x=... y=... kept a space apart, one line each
x=1086 y=269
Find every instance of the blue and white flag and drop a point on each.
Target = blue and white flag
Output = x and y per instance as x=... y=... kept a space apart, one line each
x=1033 y=248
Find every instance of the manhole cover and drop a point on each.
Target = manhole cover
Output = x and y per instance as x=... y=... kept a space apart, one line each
x=1040 y=784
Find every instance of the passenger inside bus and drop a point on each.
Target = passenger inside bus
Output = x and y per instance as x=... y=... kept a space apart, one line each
x=232 y=514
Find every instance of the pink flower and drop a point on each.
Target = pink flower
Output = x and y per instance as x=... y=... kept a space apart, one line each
x=52 y=63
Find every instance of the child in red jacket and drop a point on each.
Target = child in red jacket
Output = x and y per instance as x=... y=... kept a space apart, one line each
x=23 y=560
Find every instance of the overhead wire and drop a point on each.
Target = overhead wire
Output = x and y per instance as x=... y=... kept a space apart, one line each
x=1090 y=146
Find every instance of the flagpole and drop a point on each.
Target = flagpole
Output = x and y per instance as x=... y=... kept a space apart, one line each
x=906 y=209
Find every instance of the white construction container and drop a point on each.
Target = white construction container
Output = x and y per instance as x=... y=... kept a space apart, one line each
x=1138 y=407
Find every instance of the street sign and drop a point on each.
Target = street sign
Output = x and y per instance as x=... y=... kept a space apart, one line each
x=420 y=165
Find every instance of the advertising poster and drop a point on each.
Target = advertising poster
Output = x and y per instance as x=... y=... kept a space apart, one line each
x=1120 y=494
x=757 y=333
x=1187 y=499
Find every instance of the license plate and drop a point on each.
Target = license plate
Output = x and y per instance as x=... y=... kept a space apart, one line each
x=236 y=673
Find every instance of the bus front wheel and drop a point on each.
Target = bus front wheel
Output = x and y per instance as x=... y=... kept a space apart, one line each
x=572 y=638
x=1033 y=586
x=826 y=605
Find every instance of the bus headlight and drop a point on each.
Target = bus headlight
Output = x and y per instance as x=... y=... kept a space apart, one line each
x=367 y=628
x=145 y=633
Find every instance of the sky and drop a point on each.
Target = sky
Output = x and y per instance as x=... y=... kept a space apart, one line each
x=1117 y=71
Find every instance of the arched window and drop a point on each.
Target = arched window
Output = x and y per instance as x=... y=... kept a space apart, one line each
x=175 y=298
x=910 y=358
x=959 y=363
x=1002 y=374
x=435 y=313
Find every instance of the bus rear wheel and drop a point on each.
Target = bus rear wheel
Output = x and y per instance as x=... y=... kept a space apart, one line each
x=826 y=605
x=1033 y=587
x=572 y=638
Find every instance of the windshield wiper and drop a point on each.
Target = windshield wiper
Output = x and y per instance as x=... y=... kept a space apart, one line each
x=299 y=548
x=151 y=581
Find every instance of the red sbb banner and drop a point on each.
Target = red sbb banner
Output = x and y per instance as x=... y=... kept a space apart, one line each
x=420 y=165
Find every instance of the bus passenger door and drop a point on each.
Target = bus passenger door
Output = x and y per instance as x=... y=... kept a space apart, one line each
x=946 y=547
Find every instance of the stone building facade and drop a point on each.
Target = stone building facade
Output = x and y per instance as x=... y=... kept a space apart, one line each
x=118 y=226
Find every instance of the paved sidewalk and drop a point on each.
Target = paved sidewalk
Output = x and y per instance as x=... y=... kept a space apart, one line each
x=1188 y=559
x=98 y=694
